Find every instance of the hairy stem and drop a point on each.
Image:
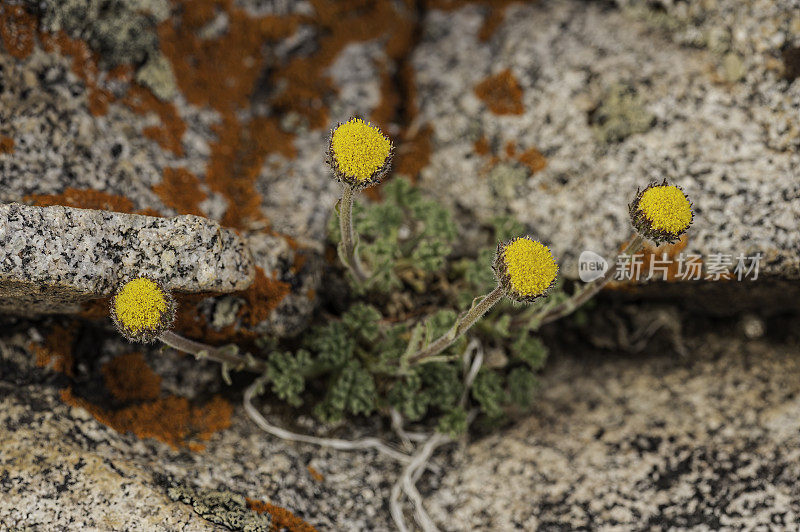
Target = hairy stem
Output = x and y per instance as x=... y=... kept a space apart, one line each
x=588 y=290
x=462 y=325
x=348 y=238
x=217 y=354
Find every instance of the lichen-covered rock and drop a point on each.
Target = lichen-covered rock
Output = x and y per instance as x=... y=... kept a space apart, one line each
x=122 y=31
x=52 y=259
x=613 y=104
x=60 y=468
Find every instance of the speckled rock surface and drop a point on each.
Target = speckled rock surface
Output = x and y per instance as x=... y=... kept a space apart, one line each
x=53 y=478
x=61 y=468
x=54 y=258
x=643 y=441
x=614 y=101
x=706 y=442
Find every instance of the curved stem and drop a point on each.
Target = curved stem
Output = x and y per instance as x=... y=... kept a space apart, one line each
x=588 y=290
x=348 y=237
x=221 y=355
x=334 y=443
x=462 y=325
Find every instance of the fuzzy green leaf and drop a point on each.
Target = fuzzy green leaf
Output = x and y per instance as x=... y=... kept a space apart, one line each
x=351 y=391
x=442 y=382
x=286 y=372
x=440 y=323
x=487 y=390
x=530 y=350
x=453 y=423
x=407 y=397
x=430 y=255
x=362 y=320
x=522 y=384
x=332 y=344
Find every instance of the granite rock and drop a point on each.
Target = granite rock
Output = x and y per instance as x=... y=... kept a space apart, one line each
x=613 y=103
x=148 y=133
x=52 y=259
x=635 y=439
x=117 y=482
x=643 y=441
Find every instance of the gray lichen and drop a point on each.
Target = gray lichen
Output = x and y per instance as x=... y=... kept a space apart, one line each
x=120 y=31
x=157 y=74
x=220 y=507
x=505 y=179
x=620 y=114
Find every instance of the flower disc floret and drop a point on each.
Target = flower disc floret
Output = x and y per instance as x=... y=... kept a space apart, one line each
x=142 y=310
x=525 y=268
x=661 y=212
x=359 y=153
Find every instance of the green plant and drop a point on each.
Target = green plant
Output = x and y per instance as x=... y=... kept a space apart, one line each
x=401 y=347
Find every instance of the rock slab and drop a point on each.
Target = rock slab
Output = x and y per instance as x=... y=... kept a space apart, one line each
x=587 y=103
x=54 y=258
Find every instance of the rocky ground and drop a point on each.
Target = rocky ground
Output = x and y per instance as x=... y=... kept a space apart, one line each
x=554 y=113
x=622 y=439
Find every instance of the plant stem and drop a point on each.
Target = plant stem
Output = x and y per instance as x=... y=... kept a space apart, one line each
x=588 y=290
x=348 y=238
x=216 y=354
x=462 y=325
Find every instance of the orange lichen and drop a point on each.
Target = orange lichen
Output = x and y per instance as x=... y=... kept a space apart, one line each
x=283 y=518
x=190 y=321
x=501 y=93
x=495 y=17
x=172 y=420
x=219 y=72
x=170 y=133
x=339 y=23
x=482 y=146
x=260 y=299
x=6 y=145
x=533 y=159
x=316 y=475
x=385 y=113
x=82 y=199
x=263 y=296
x=84 y=65
x=88 y=199
x=236 y=160
x=56 y=352
x=180 y=190
x=17 y=30
x=413 y=155
x=300 y=257
x=129 y=378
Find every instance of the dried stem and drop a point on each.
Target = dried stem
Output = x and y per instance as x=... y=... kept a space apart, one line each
x=334 y=443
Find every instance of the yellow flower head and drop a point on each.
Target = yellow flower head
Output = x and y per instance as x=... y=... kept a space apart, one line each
x=142 y=310
x=359 y=153
x=661 y=213
x=525 y=268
